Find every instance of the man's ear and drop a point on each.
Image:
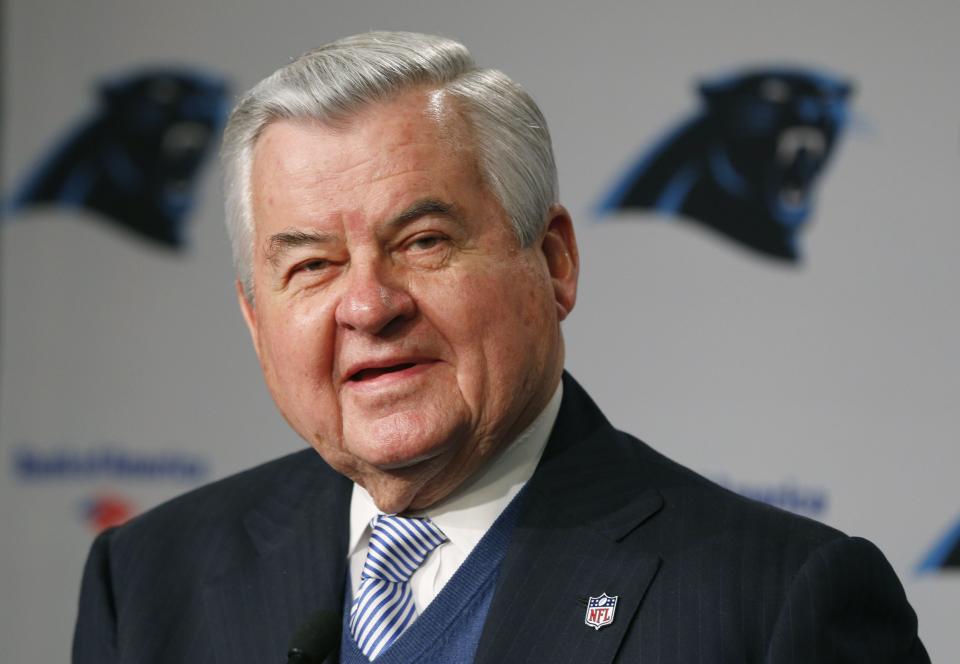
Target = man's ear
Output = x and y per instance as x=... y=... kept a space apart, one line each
x=249 y=314
x=559 y=246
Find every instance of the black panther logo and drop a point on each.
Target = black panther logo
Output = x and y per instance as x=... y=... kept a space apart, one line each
x=747 y=163
x=945 y=554
x=136 y=160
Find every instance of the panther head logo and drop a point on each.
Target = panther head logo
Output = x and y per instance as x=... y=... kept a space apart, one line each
x=747 y=164
x=136 y=160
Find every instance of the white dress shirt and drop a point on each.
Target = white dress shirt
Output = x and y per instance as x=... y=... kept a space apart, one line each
x=465 y=515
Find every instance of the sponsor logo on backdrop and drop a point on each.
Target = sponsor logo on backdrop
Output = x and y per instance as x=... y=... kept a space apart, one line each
x=789 y=495
x=135 y=161
x=747 y=163
x=106 y=510
x=944 y=555
x=110 y=461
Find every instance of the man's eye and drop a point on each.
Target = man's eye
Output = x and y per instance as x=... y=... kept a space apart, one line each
x=312 y=266
x=426 y=242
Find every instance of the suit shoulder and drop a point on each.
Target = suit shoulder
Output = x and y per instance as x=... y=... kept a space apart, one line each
x=169 y=555
x=219 y=505
x=721 y=509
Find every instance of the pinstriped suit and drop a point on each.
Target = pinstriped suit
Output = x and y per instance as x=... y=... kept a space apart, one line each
x=226 y=573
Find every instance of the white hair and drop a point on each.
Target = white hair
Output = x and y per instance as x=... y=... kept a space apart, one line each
x=333 y=81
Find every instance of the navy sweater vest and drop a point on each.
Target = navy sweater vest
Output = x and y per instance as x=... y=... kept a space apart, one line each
x=449 y=629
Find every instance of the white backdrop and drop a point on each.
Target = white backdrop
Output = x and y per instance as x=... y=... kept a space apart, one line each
x=838 y=379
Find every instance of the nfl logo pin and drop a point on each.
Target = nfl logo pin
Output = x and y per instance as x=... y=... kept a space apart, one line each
x=600 y=610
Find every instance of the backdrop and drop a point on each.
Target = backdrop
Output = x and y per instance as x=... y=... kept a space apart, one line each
x=765 y=195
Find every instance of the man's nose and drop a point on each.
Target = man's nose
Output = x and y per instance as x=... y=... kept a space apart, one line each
x=374 y=301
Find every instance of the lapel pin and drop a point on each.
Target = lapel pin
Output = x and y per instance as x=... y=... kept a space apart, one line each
x=600 y=610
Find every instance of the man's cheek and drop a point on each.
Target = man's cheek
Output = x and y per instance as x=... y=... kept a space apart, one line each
x=302 y=332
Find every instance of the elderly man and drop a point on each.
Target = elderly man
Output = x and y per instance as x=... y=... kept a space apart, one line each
x=404 y=267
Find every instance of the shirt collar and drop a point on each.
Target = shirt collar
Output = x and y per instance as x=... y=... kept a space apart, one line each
x=468 y=512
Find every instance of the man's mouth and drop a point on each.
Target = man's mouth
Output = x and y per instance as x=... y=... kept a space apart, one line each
x=376 y=372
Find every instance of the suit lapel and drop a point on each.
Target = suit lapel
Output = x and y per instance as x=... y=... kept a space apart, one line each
x=289 y=563
x=575 y=538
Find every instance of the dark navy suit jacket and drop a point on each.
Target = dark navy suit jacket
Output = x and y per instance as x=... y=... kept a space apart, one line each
x=228 y=572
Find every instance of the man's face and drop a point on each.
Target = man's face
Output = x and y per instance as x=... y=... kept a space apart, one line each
x=402 y=330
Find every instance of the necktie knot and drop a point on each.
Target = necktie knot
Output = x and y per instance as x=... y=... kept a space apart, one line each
x=398 y=546
x=383 y=607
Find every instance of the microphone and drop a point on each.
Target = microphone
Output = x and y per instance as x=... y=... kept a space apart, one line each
x=315 y=639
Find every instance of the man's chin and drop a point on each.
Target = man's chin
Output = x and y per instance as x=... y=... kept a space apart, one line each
x=405 y=463
x=402 y=441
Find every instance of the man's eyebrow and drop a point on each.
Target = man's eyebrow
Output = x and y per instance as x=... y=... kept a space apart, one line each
x=422 y=208
x=282 y=242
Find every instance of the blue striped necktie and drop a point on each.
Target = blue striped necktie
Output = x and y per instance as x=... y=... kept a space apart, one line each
x=383 y=607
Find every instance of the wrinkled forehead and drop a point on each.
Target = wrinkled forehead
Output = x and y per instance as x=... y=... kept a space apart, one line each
x=427 y=117
x=427 y=112
x=416 y=145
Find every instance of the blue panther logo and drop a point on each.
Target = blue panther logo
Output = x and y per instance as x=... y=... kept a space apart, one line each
x=136 y=160
x=747 y=163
